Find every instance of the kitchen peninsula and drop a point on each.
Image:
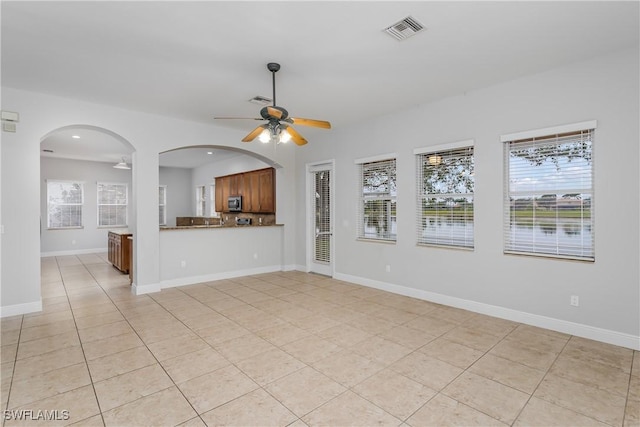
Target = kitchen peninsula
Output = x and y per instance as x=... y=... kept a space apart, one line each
x=246 y=240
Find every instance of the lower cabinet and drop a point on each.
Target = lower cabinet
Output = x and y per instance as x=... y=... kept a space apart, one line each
x=119 y=250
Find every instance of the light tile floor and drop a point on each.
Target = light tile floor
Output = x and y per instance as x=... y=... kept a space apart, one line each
x=295 y=349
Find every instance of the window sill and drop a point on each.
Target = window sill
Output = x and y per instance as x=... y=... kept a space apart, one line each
x=551 y=256
x=112 y=226
x=385 y=241
x=65 y=228
x=433 y=245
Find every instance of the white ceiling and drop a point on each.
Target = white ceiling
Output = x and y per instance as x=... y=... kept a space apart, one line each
x=197 y=60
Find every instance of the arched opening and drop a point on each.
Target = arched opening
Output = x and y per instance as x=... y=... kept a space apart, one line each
x=187 y=178
x=85 y=191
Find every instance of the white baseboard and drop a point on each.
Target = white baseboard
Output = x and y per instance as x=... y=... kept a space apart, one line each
x=294 y=267
x=577 y=329
x=145 y=289
x=183 y=281
x=18 y=309
x=73 y=252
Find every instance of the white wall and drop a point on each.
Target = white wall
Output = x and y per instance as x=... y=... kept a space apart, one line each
x=534 y=290
x=179 y=191
x=90 y=237
x=149 y=135
x=218 y=253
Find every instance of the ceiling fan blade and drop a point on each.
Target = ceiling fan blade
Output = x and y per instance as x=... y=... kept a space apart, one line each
x=295 y=136
x=311 y=122
x=238 y=118
x=274 y=112
x=254 y=133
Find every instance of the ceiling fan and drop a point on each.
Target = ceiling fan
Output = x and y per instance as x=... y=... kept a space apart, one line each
x=278 y=127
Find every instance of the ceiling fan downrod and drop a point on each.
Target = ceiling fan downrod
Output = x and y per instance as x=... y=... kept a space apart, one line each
x=273 y=67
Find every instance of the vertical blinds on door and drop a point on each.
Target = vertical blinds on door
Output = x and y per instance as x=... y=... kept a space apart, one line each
x=548 y=203
x=322 y=186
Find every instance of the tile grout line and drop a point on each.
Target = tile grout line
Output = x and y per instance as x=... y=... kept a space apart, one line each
x=150 y=352
x=13 y=371
x=86 y=362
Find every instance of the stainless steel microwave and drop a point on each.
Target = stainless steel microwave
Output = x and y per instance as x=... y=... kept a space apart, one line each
x=234 y=203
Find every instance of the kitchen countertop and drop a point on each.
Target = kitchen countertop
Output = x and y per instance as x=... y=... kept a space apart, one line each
x=120 y=231
x=190 y=227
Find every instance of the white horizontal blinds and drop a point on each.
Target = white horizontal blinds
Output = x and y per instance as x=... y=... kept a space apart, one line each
x=162 y=205
x=201 y=200
x=64 y=204
x=322 y=185
x=377 y=210
x=445 y=181
x=112 y=204
x=549 y=195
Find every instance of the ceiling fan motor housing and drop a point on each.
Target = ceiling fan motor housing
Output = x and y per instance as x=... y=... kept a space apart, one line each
x=264 y=112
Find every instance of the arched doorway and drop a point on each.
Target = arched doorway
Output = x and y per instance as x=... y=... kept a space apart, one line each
x=85 y=191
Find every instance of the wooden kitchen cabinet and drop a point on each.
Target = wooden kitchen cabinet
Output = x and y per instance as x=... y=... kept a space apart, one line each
x=118 y=250
x=220 y=199
x=257 y=189
x=267 y=189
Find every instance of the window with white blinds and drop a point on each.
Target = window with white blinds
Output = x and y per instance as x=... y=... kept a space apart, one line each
x=549 y=193
x=64 y=204
x=201 y=200
x=445 y=186
x=112 y=205
x=377 y=210
x=162 y=205
x=212 y=200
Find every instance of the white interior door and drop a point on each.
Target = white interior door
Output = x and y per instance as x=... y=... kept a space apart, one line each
x=320 y=229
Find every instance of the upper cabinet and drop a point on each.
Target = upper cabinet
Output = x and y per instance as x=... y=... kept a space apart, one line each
x=257 y=189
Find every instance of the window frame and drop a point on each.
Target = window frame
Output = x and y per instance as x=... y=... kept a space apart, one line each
x=547 y=137
x=389 y=196
x=80 y=204
x=162 y=204
x=201 y=200
x=435 y=155
x=126 y=205
x=212 y=200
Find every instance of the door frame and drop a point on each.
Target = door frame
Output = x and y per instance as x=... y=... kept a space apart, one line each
x=310 y=223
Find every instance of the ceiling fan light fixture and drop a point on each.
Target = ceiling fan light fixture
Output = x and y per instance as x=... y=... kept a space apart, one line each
x=265 y=136
x=285 y=136
x=122 y=165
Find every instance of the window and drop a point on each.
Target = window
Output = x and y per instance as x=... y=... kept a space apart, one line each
x=445 y=195
x=377 y=211
x=201 y=200
x=549 y=192
x=64 y=204
x=112 y=205
x=212 y=200
x=162 y=205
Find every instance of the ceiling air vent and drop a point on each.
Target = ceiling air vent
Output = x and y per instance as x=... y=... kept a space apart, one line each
x=404 y=29
x=261 y=100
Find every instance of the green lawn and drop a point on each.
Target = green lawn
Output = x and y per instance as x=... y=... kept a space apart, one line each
x=562 y=213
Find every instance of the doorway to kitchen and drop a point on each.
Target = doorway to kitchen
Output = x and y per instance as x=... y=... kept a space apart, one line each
x=320 y=196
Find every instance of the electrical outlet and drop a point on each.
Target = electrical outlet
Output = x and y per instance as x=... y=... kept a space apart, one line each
x=388 y=268
x=255 y=256
x=73 y=242
x=183 y=264
x=575 y=301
